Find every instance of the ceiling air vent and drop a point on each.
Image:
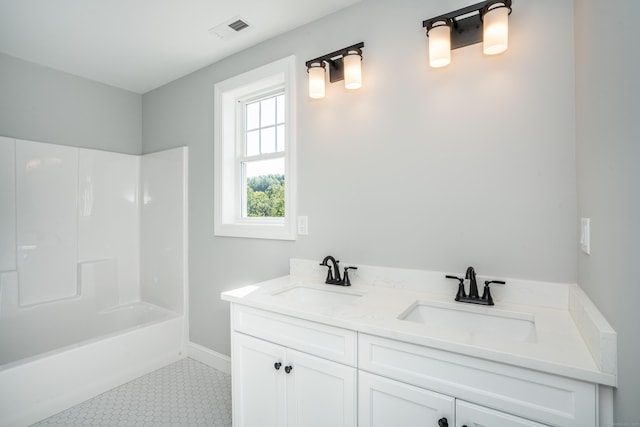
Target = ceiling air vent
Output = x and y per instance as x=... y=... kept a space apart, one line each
x=238 y=25
x=229 y=29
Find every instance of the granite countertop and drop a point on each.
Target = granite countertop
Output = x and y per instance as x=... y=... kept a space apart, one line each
x=556 y=346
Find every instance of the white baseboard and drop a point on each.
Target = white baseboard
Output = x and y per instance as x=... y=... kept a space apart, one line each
x=209 y=357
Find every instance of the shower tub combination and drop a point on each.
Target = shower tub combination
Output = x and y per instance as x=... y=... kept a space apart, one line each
x=92 y=272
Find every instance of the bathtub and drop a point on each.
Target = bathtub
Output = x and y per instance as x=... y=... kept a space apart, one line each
x=81 y=355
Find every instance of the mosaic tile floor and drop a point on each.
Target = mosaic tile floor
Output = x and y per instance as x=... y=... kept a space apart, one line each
x=185 y=393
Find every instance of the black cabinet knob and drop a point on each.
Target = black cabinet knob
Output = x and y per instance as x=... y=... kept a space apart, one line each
x=277 y=365
x=288 y=369
x=442 y=422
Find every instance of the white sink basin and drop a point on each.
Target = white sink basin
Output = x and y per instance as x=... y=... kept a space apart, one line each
x=473 y=320
x=321 y=297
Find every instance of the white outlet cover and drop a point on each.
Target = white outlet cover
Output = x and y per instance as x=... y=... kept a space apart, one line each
x=303 y=225
x=585 y=235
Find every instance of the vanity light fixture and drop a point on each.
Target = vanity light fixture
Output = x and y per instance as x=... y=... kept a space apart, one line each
x=316 y=79
x=440 y=43
x=344 y=64
x=486 y=22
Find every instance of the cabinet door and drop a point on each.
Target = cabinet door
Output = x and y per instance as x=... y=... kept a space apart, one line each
x=383 y=402
x=320 y=393
x=470 y=415
x=258 y=387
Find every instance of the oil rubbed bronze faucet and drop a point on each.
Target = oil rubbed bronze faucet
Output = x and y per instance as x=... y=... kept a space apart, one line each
x=473 y=296
x=337 y=280
x=470 y=275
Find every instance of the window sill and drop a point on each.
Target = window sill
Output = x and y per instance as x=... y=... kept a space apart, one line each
x=256 y=231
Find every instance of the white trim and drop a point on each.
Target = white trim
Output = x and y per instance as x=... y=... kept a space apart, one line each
x=605 y=406
x=280 y=73
x=209 y=357
x=598 y=335
x=185 y=243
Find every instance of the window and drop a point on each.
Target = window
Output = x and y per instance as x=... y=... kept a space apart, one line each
x=255 y=153
x=262 y=157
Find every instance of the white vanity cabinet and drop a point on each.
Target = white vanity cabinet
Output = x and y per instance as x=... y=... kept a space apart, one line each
x=288 y=371
x=297 y=373
x=355 y=357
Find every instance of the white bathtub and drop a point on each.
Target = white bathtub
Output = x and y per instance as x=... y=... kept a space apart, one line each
x=80 y=356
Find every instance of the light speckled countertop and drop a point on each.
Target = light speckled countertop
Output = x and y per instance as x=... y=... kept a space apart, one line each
x=558 y=345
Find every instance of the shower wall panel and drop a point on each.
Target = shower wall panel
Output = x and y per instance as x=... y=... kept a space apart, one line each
x=108 y=216
x=163 y=220
x=46 y=206
x=7 y=205
x=91 y=228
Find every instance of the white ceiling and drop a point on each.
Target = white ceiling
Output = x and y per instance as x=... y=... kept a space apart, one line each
x=139 y=45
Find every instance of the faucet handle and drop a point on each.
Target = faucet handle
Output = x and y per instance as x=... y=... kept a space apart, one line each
x=345 y=278
x=329 y=273
x=486 y=294
x=461 y=293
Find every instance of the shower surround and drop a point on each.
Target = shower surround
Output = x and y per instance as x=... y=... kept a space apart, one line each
x=93 y=262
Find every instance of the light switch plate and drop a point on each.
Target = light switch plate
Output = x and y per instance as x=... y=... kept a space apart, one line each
x=585 y=235
x=303 y=225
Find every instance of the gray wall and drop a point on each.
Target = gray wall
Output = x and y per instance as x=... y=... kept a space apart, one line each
x=431 y=169
x=422 y=168
x=45 y=105
x=608 y=152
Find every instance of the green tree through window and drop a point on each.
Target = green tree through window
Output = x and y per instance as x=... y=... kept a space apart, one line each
x=265 y=196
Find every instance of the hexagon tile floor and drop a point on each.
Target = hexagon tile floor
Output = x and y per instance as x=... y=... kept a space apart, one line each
x=185 y=393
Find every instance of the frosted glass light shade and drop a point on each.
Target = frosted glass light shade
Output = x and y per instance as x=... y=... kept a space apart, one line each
x=352 y=70
x=496 y=31
x=439 y=46
x=316 y=82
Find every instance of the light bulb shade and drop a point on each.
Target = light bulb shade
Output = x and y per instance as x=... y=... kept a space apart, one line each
x=316 y=81
x=439 y=46
x=496 y=30
x=352 y=62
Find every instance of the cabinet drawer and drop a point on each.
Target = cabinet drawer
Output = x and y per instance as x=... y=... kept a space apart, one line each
x=468 y=414
x=530 y=394
x=325 y=341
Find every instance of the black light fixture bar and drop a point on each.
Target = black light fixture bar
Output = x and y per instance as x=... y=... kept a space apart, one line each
x=334 y=59
x=466 y=23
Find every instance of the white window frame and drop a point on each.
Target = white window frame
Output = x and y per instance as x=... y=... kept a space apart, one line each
x=229 y=138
